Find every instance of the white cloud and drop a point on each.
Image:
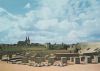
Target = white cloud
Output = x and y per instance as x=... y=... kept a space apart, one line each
x=55 y=21
x=6 y=20
x=28 y=5
x=46 y=24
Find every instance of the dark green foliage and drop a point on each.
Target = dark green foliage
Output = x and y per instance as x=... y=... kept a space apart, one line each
x=57 y=46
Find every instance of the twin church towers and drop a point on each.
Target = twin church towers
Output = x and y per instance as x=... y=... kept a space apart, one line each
x=26 y=42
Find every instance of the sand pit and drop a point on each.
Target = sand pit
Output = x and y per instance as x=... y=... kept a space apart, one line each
x=77 y=67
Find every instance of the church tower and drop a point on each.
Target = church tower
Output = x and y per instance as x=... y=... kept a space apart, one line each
x=28 y=40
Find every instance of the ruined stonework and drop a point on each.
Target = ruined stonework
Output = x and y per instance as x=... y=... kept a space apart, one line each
x=88 y=59
x=51 y=60
x=64 y=59
x=77 y=60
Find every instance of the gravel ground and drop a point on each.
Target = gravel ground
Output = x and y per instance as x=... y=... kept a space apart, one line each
x=76 y=67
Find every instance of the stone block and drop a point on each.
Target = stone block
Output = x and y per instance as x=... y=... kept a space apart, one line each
x=63 y=59
x=71 y=59
x=96 y=59
x=51 y=60
x=88 y=59
x=77 y=60
x=24 y=60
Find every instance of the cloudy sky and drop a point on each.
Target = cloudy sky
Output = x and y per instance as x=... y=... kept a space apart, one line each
x=67 y=21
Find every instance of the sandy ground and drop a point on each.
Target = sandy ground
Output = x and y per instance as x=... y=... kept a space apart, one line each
x=76 y=67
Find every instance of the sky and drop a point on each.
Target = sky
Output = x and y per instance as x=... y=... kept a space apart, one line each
x=55 y=21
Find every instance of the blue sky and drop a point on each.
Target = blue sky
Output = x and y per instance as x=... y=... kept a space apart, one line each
x=55 y=21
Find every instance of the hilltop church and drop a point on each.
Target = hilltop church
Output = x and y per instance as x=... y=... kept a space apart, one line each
x=26 y=42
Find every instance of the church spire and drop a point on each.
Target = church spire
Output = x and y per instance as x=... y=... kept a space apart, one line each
x=26 y=38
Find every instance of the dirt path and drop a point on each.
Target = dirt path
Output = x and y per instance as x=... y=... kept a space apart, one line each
x=77 y=67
